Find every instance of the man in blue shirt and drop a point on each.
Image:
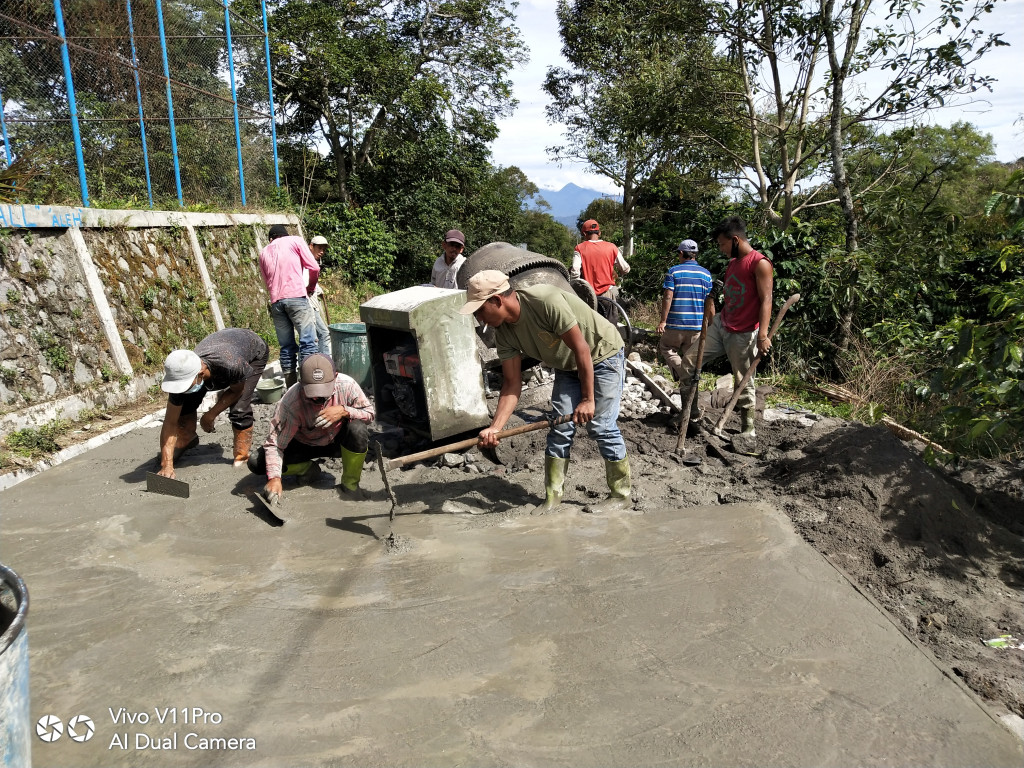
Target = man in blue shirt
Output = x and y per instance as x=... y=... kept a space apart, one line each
x=686 y=285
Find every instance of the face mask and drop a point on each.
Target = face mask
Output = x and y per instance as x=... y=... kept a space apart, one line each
x=194 y=388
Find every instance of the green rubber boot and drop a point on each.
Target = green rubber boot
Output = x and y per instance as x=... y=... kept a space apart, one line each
x=290 y=379
x=747 y=422
x=617 y=474
x=351 y=469
x=554 y=482
x=303 y=471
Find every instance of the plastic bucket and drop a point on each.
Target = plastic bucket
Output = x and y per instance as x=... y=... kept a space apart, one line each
x=270 y=390
x=15 y=732
x=352 y=352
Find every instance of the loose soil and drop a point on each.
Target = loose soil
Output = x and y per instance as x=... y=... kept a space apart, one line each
x=940 y=549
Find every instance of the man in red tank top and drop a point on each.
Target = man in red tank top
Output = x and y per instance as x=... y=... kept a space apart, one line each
x=598 y=260
x=740 y=330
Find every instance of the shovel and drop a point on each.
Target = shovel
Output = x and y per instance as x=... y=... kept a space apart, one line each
x=401 y=461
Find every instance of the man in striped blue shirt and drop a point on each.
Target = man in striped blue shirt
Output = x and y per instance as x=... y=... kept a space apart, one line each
x=686 y=285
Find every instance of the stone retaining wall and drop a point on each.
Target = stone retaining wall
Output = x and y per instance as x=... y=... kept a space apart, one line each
x=94 y=299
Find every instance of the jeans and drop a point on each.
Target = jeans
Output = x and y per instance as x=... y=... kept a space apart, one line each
x=609 y=378
x=291 y=316
x=323 y=335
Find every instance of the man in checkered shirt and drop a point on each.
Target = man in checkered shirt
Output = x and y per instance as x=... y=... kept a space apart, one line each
x=325 y=415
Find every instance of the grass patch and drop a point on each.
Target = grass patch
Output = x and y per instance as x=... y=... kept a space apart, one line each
x=35 y=443
x=342 y=299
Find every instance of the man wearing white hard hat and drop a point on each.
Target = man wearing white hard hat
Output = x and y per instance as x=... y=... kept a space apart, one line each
x=586 y=352
x=230 y=361
x=686 y=286
x=318 y=247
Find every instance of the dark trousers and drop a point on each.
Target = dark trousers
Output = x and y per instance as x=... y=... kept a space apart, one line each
x=353 y=437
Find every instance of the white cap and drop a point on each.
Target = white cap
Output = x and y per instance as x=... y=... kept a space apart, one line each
x=318 y=240
x=180 y=369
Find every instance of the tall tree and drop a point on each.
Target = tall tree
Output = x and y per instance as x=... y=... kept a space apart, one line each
x=642 y=80
x=813 y=70
x=349 y=72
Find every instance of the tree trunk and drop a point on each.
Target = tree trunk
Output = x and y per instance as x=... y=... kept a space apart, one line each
x=628 y=209
x=839 y=70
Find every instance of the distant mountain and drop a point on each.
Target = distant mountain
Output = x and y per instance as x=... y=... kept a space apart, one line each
x=568 y=202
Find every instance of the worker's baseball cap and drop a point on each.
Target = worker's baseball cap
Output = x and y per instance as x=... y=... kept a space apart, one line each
x=318 y=240
x=688 y=246
x=590 y=225
x=317 y=376
x=454 y=236
x=180 y=369
x=278 y=230
x=481 y=287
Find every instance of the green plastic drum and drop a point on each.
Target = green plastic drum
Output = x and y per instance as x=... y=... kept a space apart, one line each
x=352 y=352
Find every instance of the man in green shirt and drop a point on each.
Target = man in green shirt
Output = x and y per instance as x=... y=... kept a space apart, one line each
x=586 y=351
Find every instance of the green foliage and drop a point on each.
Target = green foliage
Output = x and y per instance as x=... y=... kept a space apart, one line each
x=982 y=379
x=35 y=443
x=8 y=375
x=13 y=297
x=149 y=297
x=56 y=354
x=1009 y=202
x=542 y=234
x=383 y=72
x=361 y=246
x=107 y=373
x=642 y=81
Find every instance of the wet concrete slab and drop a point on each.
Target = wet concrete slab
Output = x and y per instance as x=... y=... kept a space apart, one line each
x=707 y=635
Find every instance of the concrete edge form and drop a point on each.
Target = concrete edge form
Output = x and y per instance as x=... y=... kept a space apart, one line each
x=99 y=300
x=204 y=273
x=11 y=479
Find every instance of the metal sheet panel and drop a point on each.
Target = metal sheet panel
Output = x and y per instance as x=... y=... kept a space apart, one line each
x=446 y=341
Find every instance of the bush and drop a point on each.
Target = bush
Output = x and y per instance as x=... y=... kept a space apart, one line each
x=361 y=246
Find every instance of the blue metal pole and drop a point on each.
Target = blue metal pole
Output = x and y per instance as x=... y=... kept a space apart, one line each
x=270 y=90
x=3 y=130
x=7 y=143
x=170 y=100
x=72 y=104
x=234 y=101
x=138 y=94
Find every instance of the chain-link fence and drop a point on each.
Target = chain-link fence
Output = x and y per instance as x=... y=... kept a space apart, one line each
x=129 y=103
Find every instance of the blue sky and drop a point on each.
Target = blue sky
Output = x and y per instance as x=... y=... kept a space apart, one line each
x=525 y=136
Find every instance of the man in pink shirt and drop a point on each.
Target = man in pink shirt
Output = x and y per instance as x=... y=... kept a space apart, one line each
x=282 y=263
x=326 y=415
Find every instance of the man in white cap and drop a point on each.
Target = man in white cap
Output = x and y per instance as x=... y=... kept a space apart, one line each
x=230 y=361
x=318 y=247
x=325 y=415
x=450 y=261
x=585 y=350
x=686 y=285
